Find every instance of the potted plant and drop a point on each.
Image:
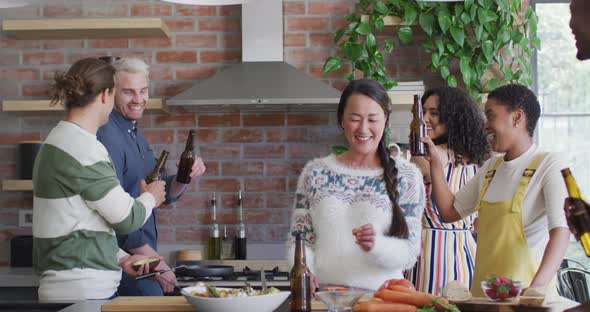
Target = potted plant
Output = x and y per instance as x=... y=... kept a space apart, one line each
x=472 y=36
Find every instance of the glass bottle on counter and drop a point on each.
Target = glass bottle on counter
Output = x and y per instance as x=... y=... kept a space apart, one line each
x=155 y=175
x=227 y=246
x=187 y=159
x=240 y=240
x=300 y=279
x=577 y=210
x=214 y=238
x=417 y=129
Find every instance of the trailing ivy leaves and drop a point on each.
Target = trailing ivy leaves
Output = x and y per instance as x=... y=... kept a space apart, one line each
x=473 y=34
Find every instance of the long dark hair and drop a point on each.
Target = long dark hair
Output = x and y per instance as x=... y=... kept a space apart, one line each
x=374 y=90
x=466 y=134
x=86 y=79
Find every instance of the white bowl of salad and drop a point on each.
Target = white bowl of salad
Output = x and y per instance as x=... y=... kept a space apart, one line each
x=234 y=299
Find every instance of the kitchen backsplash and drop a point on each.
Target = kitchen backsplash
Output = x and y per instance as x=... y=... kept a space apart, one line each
x=261 y=153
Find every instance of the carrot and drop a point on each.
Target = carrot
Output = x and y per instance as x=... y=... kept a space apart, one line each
x=418 y=299
x=402 y=289
x=369 y=306
x=400 y=282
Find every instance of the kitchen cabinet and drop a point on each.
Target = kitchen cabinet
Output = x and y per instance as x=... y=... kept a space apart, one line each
x=43 y=105
x=17 y=185
x=85 y=28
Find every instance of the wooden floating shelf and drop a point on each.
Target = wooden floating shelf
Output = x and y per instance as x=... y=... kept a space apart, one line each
x=17 y=185
x=402 y=100
x=85 y=28
x=43 y=105
x=388 y=20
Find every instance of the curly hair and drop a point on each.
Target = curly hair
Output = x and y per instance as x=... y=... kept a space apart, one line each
x=516 y=96
x=465 y=125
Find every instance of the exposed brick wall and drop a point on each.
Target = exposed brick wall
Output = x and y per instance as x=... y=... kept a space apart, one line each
x=261 y=153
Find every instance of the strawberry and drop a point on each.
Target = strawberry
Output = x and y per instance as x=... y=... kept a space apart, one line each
x=513 y=290
x=491 y=293
x=502 y=296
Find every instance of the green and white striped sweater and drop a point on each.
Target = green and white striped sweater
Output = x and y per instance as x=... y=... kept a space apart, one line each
x=77 y=207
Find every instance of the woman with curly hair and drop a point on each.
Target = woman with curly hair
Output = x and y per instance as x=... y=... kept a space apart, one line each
x=457 y=129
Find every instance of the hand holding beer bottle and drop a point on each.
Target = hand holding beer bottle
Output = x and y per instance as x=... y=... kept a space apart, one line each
x=577 y=211
x=417 y=129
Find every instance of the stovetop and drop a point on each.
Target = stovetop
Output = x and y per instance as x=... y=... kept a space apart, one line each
x=274 y=277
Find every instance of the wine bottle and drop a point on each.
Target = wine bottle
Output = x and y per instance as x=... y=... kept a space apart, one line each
x=240 y=240
x=577 y=210
x=417 y=129
x=156 y=175
x=214 y=239
x=187 y=159
x=300 y=279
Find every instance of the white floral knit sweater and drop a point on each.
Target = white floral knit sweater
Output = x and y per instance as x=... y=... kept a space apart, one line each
x=332 y=199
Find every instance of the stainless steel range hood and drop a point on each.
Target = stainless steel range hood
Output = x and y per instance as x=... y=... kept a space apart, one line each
x=262 y=82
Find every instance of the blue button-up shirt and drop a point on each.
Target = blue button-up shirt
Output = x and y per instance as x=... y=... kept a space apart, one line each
x=134 y=160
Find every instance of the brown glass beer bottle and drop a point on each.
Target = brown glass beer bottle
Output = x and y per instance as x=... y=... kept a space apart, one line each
x=155 y=174
x=417 y=129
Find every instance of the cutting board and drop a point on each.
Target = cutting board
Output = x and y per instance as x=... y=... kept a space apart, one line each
x=164 y=304
x=485 y=305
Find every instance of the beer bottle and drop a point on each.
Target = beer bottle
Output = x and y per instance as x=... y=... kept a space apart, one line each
x=577 y=210
x=155 y=175
x=187 y=160
x=240 y=240
x=300 y=279
x=417 y=129
x=214 y=238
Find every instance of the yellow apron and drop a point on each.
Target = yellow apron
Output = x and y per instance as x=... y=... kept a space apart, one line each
x=502 y=247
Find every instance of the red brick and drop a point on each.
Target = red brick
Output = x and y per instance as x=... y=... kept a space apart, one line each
x=308 y=150
x=218 y=185
x=285 y=135
x=7 y=171
x=63 y=44
x=293 y=8
x=223 y=217
x=321 y=40
x=284 y=168
x=265 y=184
x=252 y=168
x=7 y=234
x=160 y=73
x=43 y=58
x=8 y=154
x=411 y=71
x=264 y=120
x=110 y=10
x=36 y=90
x=317 y=71
x=175 y=121
x=220 y=56
x=277 y=233
x=196 y=10
x=11 y=200
x=279 y=200
x=220 y=151
x=192 y=235
x=201 y=136
x=40 y=122
x=19 y=74
x=340 y=84
x=230 y=41
x=292 y=183
x=264 y=151
x=9 y=218
x=159 y=136
x=6 y=43
x=307 y=23
x=219 y=120
x=338 y=22
x=146 y=56
x=176 y=57
x=242 y=135
x=177 y=216
x=152 y=43
x=249 y=200
x=262 y=217
x=151 y=10
x=331 y=7
x=62 y=11
x=308 y=55
x=200 y=72
x=196 y=40
x=220 y=24
x=230 y=10
x=211 y=169
x=190 y=201
x=256 y=232
x=9 y=59
x=166 y=234
x=171 y=88
x=182 y=24
x=108 y=43
x=25 y=12
x=9 y=88
x=295 y=40
x=308 y=119
x=73 y=57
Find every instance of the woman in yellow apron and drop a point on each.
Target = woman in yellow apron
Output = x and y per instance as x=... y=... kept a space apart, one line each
x=522 y=231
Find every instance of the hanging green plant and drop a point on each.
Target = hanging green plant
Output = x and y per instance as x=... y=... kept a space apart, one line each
x=475 y=34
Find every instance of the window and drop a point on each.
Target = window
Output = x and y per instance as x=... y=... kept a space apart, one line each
x=562 y=84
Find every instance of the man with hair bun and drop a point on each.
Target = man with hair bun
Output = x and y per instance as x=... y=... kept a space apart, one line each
x=134 y=160
x=78 y=202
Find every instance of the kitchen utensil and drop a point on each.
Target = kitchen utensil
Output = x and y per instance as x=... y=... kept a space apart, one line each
x=263 y=281
x=340 y=300
x=197 y=270
x=158 y=272
x=260 y=303
x=211 y=291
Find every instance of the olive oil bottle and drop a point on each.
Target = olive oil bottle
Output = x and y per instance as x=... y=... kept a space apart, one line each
x=240 y=240
x=214 y=238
